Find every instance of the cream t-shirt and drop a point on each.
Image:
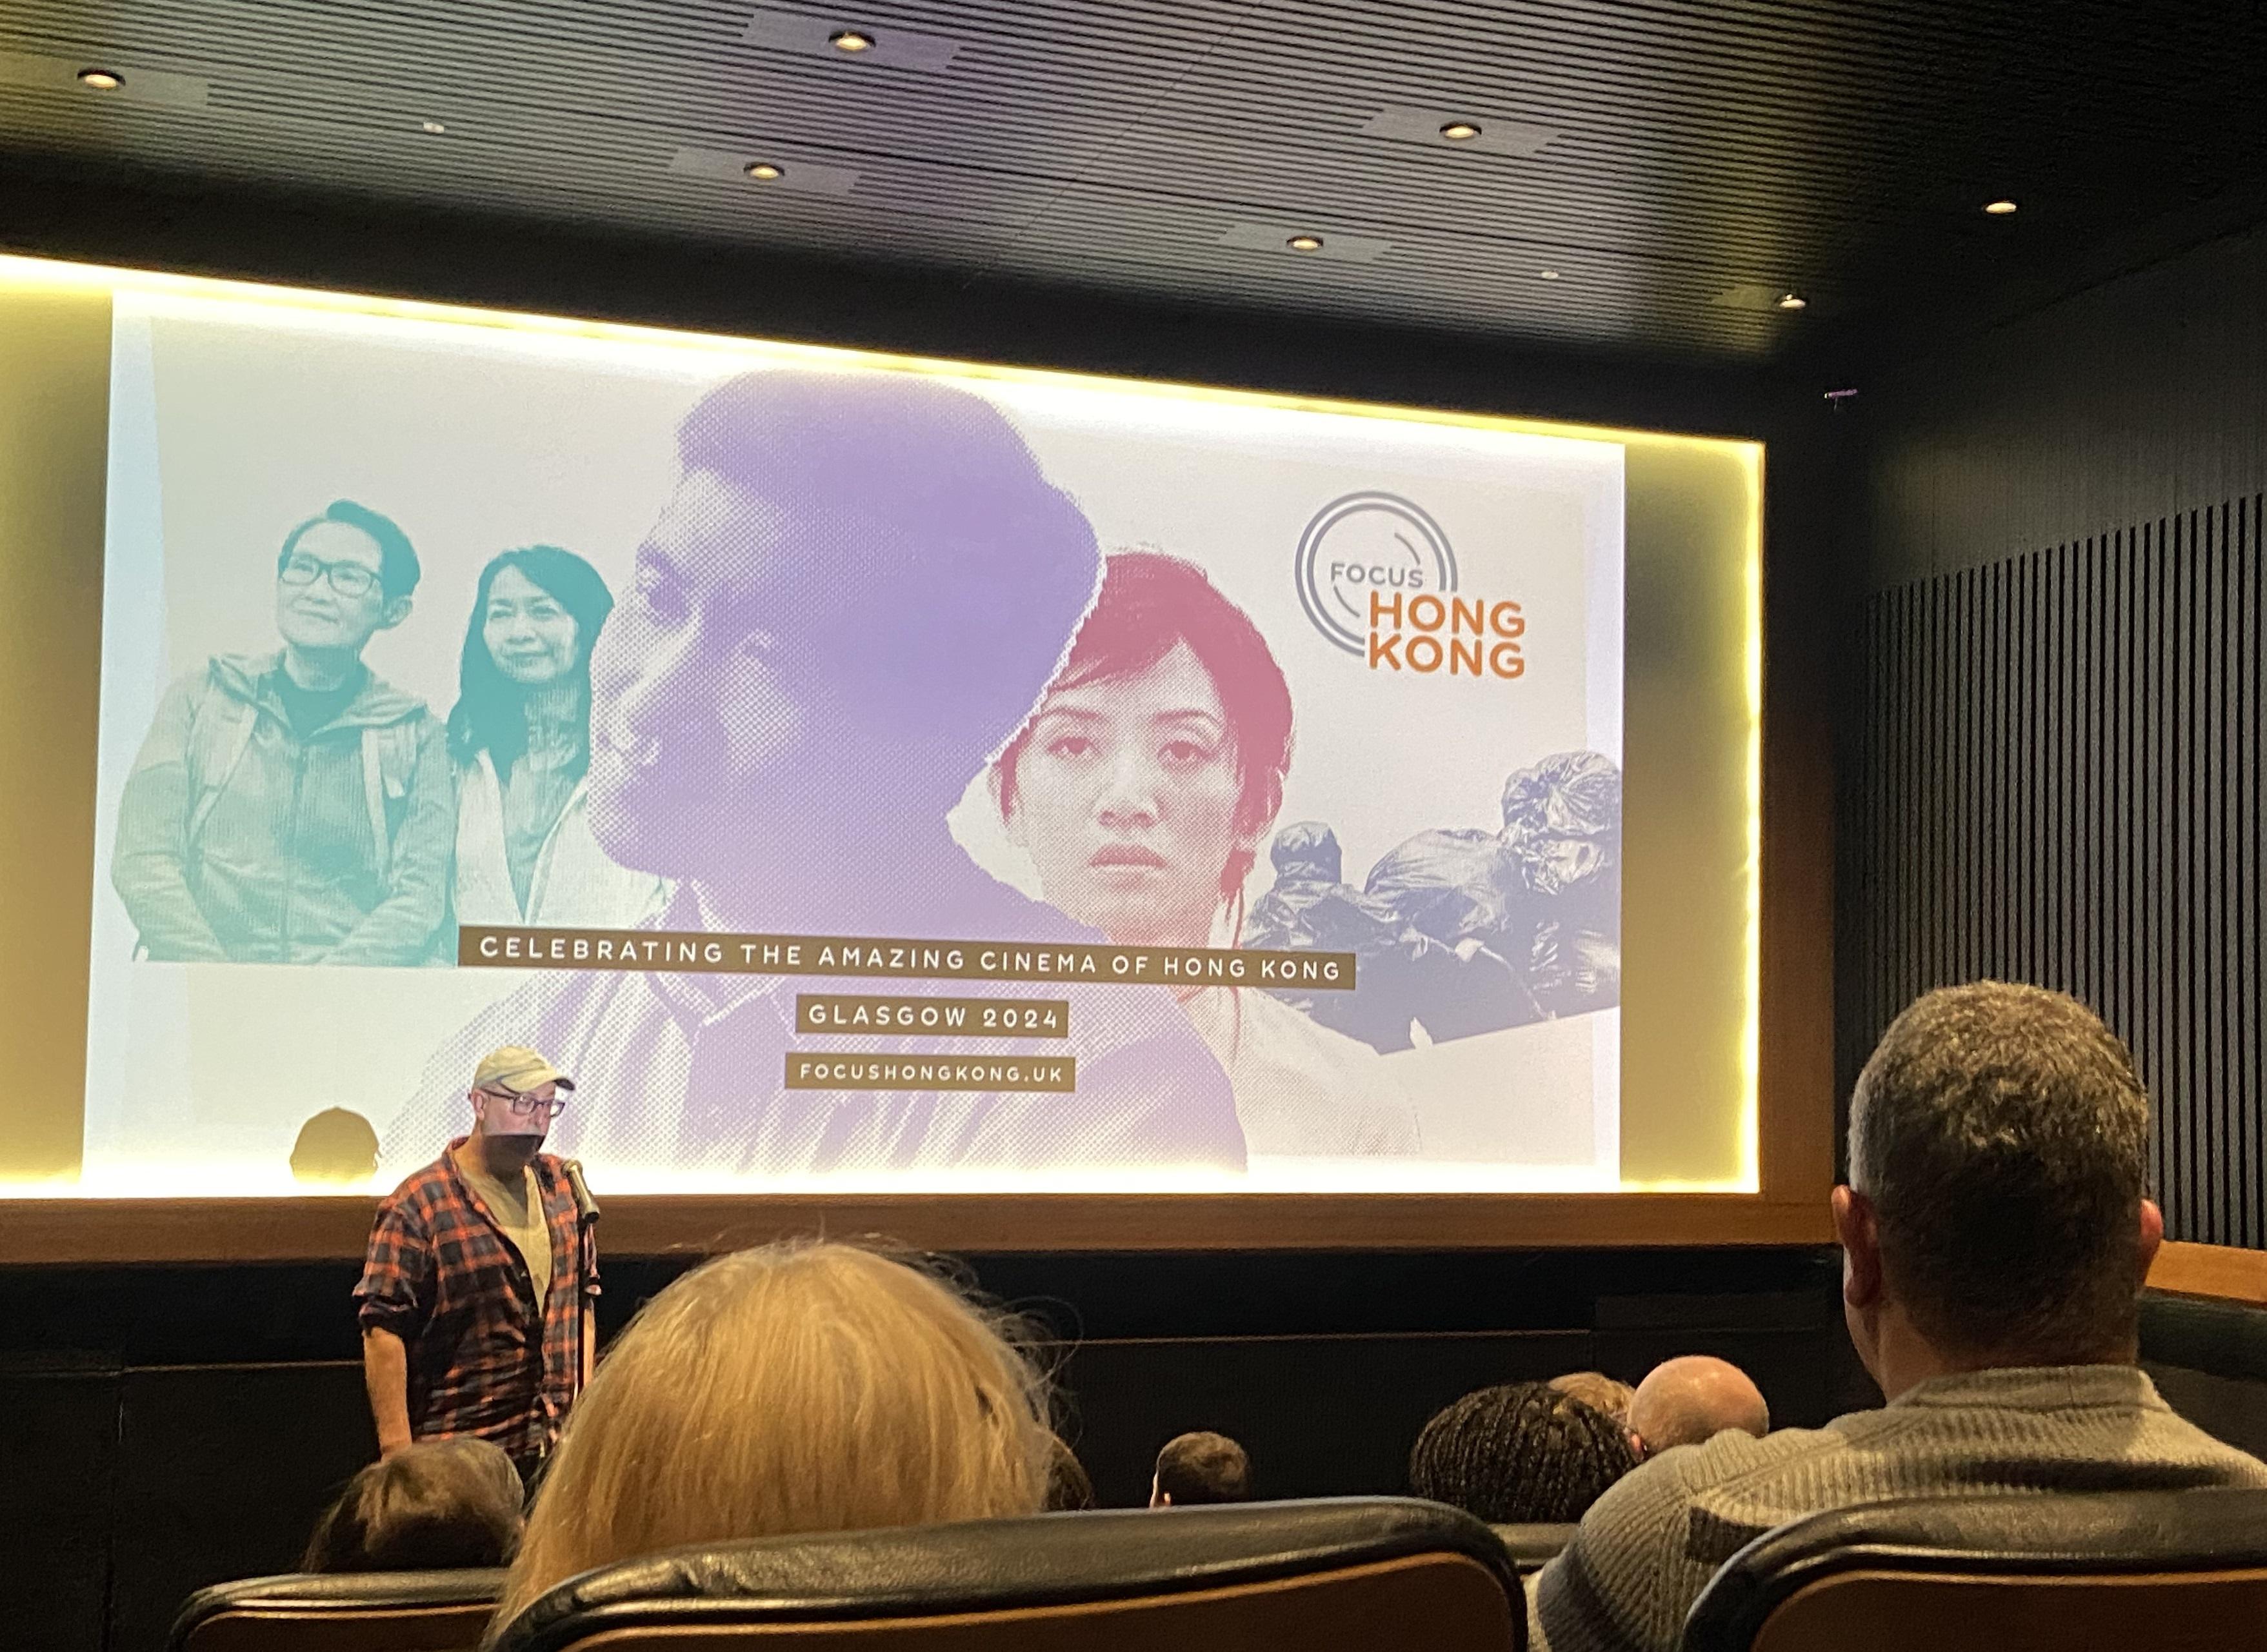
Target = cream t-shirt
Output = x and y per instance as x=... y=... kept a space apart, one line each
x=519 y=1213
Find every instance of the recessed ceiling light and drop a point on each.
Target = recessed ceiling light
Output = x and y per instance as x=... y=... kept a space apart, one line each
x=1998 y=208
x=431 y=129
x=1305 y=243
x=1546 y=275
x=1792 y=301
x=1460 y=131
x=101 y=79
x=851 y=41
x=764 y=171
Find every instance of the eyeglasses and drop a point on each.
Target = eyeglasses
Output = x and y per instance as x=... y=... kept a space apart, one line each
x=349 y=579
x=527 y=1106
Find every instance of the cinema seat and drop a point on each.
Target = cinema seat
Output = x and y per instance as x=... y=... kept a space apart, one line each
x=2164 y=1571
x=1533 y=1547
x=1352 y=1575
x=344 y=1612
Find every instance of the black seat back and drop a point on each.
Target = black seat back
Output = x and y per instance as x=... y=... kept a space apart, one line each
x=342 y=1612
x=1355 y=1574
x=2163 y=1570
x=1533 y=1547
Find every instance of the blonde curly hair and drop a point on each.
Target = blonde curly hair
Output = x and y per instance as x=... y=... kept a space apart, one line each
x=803 y=1386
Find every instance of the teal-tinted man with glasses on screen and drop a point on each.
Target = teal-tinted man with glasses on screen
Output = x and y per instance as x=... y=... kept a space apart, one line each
x=291 y=808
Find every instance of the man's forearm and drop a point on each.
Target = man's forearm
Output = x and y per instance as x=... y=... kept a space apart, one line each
x=386 y=1374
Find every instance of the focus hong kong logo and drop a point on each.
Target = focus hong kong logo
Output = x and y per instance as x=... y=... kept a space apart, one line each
x=1377 y=577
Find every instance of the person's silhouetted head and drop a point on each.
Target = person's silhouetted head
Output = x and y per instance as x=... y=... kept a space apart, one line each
x=1995 y=1214
x=434 y=1505
x=1694 y=1397
x=1518 y=1454
x=1599 y=1392
x=336 y=1145
x=1200 y=1468
x=1068 y=1486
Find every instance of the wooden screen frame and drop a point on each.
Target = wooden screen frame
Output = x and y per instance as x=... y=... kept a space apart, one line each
x=1794 y=1053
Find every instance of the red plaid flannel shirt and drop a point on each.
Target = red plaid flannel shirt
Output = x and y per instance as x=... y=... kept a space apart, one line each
x=441 y=1276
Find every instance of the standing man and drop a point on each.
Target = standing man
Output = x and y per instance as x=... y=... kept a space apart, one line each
x=291 y=808
x=474 y=1299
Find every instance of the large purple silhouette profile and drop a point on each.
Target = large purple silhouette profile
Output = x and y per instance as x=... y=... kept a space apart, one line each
x=857 y=589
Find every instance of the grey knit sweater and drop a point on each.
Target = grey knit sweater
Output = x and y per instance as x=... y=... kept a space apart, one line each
x=1648 y=1547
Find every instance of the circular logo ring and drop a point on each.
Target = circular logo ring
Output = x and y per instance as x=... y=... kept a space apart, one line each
x=1325 y=606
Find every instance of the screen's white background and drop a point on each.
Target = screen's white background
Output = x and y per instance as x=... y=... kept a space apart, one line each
x=230 y=425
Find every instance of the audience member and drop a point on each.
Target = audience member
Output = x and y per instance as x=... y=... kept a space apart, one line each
x=1599 y=1392
x=435 y=1505
x=799 y=1387
x=1200 y=1468
x=1069 y=1489
x=1519 y=1454
x=335 y=1145
x=1994 y=1236
x=1695 y=1398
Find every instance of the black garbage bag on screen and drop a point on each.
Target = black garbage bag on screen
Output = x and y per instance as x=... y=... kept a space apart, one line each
x=1562 y=838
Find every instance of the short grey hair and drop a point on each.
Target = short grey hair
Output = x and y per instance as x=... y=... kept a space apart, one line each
x=2001 y=1134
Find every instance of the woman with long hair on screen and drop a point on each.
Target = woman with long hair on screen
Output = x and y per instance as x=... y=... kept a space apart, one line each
x=1141 y=789
x=520 y=734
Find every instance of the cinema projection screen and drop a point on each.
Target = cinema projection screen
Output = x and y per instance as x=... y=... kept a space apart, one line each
x=870 y=774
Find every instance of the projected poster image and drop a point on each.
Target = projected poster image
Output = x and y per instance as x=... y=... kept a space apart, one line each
x=854 y=777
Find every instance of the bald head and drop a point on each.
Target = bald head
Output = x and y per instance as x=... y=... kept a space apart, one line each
x=1685 y=1401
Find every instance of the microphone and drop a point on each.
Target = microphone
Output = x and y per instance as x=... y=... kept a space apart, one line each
x=586 y=1208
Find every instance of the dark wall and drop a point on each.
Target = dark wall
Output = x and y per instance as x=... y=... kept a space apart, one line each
x=2134 y=401
x=2053 y=769
x=162 y=1428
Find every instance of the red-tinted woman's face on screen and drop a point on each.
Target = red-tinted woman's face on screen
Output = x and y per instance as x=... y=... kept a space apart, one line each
x=1124 y=795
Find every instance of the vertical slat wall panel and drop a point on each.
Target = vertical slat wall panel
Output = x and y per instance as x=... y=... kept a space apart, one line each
x=2059 y=779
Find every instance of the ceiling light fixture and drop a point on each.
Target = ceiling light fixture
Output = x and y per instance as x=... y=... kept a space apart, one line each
x=101 y=79
x=1546 y=275
x=764 y=171
x=1998 y=208
x=1792 y=301
x=1305 y=243
x=850 y=41
x=1460 y=131
x=431 y=129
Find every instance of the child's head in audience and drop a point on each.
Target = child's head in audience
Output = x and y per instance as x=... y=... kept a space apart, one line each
x=1520 y=1454
x=799 y=1387
x=1200 y=1468
x=433 y=1506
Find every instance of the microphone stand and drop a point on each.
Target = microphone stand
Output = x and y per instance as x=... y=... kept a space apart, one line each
x=586 y=1270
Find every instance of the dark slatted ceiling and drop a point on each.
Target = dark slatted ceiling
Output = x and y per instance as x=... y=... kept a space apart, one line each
x=1837 y=150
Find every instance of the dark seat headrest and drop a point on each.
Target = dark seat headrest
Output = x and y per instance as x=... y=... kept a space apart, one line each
x=2054 y=1535
x=346 y=1591
x=1535 y=1546
x=988 y=1565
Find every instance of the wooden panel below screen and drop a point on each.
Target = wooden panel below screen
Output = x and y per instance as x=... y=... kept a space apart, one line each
x=62 y=1232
